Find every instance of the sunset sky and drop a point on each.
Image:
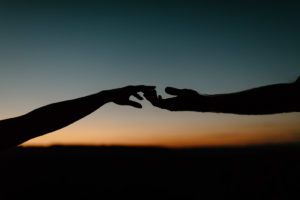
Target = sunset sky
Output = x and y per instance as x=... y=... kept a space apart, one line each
x=52 y=51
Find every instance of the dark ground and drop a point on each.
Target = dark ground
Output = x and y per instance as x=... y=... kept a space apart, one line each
x=58 y=172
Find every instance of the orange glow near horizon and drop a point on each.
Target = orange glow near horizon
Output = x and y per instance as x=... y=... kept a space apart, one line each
x=53 y=51
x=200 y=141
x=170 y=130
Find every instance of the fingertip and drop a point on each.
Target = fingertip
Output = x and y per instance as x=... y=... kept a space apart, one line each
x=169 y=88
x=172 y=90
x=138 y=96
x=135 y=104
x=139 y=106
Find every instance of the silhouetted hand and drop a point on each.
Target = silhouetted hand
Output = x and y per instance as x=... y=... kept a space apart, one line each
x=184 y=100
x=121 y=96
x=270 y=99
x=55 y=116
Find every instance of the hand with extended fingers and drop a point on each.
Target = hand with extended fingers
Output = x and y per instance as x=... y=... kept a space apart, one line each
x=270 y=99
x=278 y=98
x=55 y=116
x=121 y=96
x=183 y=100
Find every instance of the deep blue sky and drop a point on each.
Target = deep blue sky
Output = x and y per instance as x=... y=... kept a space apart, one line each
x=56 y=50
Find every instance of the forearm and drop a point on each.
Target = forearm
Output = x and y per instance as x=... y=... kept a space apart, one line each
x=48 y=118
x=263 y=100
x=58 y=115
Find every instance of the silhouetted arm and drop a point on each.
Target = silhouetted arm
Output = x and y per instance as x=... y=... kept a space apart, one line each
x=270 y=99
x=55 y=116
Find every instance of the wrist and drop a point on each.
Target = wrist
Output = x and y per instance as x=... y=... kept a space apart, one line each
x=105 y=96
x=206 y=103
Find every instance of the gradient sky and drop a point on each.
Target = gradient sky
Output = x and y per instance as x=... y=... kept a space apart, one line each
x=57 y=50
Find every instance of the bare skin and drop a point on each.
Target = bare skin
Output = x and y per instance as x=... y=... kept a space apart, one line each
x=278 y=98
x=15 y=131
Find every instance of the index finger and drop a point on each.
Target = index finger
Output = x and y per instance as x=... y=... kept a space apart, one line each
x=173 y=91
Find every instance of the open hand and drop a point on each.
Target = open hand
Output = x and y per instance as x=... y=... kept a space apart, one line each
x=184 y=100
x=121 y=96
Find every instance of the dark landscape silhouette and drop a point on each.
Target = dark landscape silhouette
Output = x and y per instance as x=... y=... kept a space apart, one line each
x=218 y=104
x=74 y=172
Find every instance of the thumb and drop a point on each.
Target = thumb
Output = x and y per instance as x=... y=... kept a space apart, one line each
x=173 y=91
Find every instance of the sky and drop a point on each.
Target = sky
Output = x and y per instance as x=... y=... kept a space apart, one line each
x=52 y=51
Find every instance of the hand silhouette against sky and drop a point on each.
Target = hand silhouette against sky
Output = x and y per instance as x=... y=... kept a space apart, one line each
x=270 y=99
x=55 y=116
x=121 y=96
x=183 y=100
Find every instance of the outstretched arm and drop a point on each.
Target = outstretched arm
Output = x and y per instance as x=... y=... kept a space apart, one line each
x=55 y=116
x=270 y=99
